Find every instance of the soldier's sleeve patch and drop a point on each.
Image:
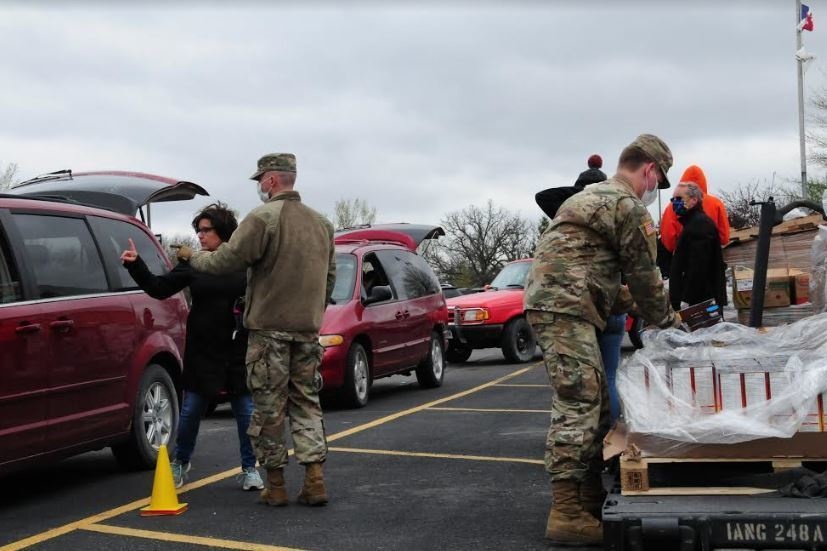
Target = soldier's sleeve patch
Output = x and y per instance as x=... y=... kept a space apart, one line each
x=648 y=228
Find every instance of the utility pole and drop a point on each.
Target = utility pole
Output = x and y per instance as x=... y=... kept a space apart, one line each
x=800 y=63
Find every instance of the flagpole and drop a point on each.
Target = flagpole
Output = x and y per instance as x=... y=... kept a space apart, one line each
x=800 y=64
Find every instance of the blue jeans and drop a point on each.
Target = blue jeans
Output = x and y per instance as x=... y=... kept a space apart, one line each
x=610 y=341
x=193 y=409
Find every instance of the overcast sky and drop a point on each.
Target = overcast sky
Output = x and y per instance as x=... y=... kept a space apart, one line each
x=419 y=110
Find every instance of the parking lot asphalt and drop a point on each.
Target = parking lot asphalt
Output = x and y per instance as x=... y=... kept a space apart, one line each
x=459 y=467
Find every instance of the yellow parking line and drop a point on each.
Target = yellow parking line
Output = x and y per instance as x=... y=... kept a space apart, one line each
x=439 y=455
x=183 y=538
x=94 y=519
x=524 y=386
x=493 y=410
x=416 y=409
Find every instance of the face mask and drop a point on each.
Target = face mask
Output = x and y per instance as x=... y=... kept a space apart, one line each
x=263 y=195
x=679 y=207
x=650 y=195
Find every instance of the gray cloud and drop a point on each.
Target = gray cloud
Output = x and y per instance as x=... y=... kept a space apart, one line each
x=420 y=110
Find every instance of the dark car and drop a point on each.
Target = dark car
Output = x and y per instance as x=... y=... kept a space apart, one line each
x=389 y=315
x=87 y=359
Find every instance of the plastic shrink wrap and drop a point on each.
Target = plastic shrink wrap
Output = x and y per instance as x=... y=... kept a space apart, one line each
x=818 y=271
x=728 y=383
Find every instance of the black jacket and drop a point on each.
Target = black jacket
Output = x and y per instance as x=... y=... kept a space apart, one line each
x=697 y=271
x=549 y=200
x=213 y=360
x=590 y=176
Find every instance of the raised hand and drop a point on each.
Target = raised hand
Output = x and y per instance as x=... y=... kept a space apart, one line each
x=131 y=254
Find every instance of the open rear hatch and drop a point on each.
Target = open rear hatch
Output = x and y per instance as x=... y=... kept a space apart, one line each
x=409 y=235
x=123 y=192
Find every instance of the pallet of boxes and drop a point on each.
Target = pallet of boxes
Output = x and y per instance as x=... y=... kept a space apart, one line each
x=786 y=297
x=704 y=411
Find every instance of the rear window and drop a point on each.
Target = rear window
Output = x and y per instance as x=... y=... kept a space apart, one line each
x=345 y=277
x=410 y=275
x=62 y=255
x=113 y=237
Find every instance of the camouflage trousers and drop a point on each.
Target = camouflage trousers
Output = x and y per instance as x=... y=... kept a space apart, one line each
x=580 y=415
x=281 y=377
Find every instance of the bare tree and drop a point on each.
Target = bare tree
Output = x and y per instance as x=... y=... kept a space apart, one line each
x=737 y=202
x=167 y=241
x=8 y=176
x=352 y=212
x=742 y=214
x=478 y=242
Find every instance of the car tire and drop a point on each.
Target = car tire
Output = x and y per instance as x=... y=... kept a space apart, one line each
x=458 y=353
x=356 y=389
x=518 y=341
x=154 y=420
x=431 y=371
x=211 y=407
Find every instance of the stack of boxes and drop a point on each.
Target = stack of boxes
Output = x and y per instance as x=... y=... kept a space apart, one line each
x=786 y=295
x=717 y=385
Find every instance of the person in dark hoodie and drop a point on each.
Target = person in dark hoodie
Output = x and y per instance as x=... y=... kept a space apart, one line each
x=611 y=338
x=697 y=271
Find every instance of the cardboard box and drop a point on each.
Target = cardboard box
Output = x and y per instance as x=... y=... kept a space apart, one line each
x=799 y=286
x=802 y=445
x=777 y=289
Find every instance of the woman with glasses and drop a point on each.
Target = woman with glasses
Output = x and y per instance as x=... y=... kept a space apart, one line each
x=216 y=345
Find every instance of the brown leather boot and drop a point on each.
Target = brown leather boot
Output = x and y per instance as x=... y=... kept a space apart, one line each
x=569 y=525
x=313 y=491
x=592 y=494
x=274 y=492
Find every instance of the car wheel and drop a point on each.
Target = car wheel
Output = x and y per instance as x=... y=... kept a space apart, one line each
x=458 y=353
x=154 y=420
x=357 y=377
x=431 y=371
x=211 y=409
x=518 y=341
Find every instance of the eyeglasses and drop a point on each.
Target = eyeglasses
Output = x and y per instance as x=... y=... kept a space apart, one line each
x=205 y=229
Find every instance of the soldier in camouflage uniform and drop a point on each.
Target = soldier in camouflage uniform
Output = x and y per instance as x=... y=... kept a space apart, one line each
x=288 y=251
x=574 y=285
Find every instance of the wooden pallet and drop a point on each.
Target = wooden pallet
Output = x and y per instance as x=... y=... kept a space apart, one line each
x=635 y=476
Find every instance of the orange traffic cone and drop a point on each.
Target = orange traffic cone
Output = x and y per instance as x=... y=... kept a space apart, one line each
x=164 y=500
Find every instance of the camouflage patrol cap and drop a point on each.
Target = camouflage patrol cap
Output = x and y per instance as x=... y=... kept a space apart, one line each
x=275 y=162
x=660 y=153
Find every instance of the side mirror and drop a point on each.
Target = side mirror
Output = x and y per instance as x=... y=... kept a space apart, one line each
x=380 y=293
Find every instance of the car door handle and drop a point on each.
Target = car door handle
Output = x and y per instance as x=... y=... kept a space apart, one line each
x=27 y=328
x=400 y=316
x=406 y=314
x=62 y=326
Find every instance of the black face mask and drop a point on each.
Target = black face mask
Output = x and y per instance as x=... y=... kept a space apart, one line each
x=679 y=206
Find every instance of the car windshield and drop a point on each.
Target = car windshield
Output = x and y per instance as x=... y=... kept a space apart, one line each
x=512 y=275
x=345 y=277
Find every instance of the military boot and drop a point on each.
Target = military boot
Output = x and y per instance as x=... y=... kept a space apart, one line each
x=274 y=492
x=313 y=491
x=569 y=525
x=592 y=494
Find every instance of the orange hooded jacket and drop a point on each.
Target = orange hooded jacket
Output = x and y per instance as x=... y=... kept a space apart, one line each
x=670 y=228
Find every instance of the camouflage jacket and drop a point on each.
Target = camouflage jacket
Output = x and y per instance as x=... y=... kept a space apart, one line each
x=598 y=234
x=288 y=251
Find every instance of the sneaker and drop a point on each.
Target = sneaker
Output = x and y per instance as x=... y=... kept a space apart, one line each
x=250 y=479
x=179 y=472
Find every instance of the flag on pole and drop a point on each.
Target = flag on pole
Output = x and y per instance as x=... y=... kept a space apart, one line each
x=806 y=22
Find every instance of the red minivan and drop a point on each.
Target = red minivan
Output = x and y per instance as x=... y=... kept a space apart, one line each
x=87 y=359
x=388 y=316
